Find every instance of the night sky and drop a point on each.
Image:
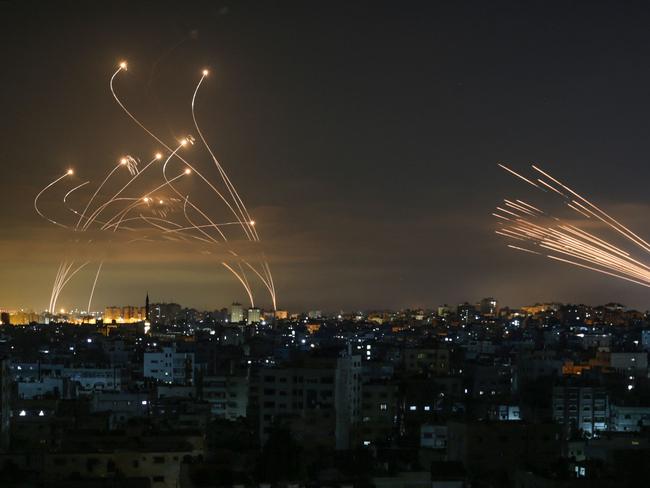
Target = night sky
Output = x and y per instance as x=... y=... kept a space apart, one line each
x=363 y=137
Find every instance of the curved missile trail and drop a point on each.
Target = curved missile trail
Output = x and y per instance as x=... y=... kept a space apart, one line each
x=580 y=248
x=83 y=213
x=67 y=173
x=160 y=209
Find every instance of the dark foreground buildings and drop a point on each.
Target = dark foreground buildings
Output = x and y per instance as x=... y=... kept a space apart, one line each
x=471 y=396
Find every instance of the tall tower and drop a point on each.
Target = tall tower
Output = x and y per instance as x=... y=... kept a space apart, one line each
x=146 y=308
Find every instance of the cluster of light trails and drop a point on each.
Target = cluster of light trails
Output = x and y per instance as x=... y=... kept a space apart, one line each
x=160 y=211
x=532 y=230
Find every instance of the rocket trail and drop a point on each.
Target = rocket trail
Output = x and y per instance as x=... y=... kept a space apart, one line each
x=581 y=248
x=158 y=209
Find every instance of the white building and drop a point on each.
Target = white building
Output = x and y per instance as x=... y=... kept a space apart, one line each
x=167 y=365
x=254 y=316
x=236 y=313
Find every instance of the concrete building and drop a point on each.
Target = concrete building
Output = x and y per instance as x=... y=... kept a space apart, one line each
x=168 y=365
x=236 y=313
x=629 y=419
x=253 y=316
x=379 y=409
x=227 y=395
x=581 y=408
x=318 y=397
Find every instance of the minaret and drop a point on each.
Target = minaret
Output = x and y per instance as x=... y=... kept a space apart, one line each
x=146 y=308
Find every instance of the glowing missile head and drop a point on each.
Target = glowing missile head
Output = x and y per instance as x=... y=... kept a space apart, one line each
x=160 y=202
x=188 y=171
x=123 y=161
x=183 y=142
x=158 y=156
x=123 y=65
x=252 y=222
x=146 y=199
x=205 y=72
x=70 y=171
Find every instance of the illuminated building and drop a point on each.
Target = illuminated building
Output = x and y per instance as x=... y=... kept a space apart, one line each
x=281 y=314
x=254 y=316
x=236 y=313
x=124 y=315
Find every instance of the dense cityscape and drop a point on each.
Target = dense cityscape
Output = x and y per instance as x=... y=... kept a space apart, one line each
x=471 y=395
x=324 y=244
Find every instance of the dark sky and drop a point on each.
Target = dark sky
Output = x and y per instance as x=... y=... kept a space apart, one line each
x=363 y=137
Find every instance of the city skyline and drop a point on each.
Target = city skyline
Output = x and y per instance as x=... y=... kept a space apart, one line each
x=374 y=159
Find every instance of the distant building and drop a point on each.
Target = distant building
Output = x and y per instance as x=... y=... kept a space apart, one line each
x=164 y=313
x=124 y=315
x=254 y=316
x=489 y=307
x=281 y=314
x=236 y=313
x=466 y=312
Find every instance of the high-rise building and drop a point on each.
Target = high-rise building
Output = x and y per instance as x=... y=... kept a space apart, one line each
x=254 y=316
x=236 y=313
x=319 y=398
